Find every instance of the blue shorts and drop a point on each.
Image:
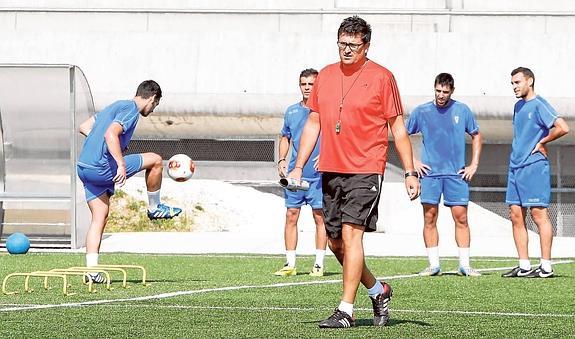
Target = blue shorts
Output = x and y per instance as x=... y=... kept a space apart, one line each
x=313 y=196
x=529 y=186
x=98 y=181
x=455 y=190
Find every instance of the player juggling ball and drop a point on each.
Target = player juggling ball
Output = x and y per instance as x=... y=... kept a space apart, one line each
x=102 y=165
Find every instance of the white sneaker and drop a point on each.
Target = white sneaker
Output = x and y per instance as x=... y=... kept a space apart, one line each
x=467 y=272
x=430 y=271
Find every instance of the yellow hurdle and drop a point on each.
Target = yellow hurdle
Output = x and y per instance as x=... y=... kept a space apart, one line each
x=27 y=276
x=141 y=268
x=75 y=271
x=66 y=271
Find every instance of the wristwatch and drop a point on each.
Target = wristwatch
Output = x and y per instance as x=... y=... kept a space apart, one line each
x=411 y=174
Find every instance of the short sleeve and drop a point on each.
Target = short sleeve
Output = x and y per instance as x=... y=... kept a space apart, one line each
x=412 y=124
x=127 y=117
x=391 y=101
x=471 y=126
x=285 y=131
x=312 y=101
x=547 y=114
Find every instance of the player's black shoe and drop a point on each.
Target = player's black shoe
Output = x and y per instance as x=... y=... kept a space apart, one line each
x=97 y=278
x=539 y=272
x=339 y=319
x=516 y=272
x=381 y=305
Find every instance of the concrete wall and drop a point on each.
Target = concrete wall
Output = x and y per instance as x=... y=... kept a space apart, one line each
x=243 y=57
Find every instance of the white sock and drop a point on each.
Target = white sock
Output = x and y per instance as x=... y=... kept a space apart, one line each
x=290 y=258
x=546 y=265
x=346 y=307
x=319 y=256
x=376 y=289
x=463 y=256
x=153 y=200
x=433 y=256
x=92 y=259
x=524 y=264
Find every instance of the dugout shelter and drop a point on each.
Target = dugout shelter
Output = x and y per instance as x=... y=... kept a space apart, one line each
x=41 y=107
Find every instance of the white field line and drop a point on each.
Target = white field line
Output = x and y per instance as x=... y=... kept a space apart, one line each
x=219 y=289
x=311 y=309
x=281 y=256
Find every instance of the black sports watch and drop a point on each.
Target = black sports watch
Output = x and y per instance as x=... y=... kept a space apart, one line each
x=411 y=174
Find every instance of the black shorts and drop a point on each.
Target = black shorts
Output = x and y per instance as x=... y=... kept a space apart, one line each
x=350 y=199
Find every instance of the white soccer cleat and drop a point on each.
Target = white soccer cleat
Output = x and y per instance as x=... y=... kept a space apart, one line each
x=468 y=272
x=430 y=271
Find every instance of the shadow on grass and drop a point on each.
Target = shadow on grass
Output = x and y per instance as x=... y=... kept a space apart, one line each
x=369 y=322
x=325 y=274
x=392 y=322
x=139 y=281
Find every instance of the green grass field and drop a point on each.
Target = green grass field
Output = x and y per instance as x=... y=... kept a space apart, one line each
x=236 y=296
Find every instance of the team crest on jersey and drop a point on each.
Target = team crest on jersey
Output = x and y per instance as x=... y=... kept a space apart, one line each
x=529 y=115
x=456 y=119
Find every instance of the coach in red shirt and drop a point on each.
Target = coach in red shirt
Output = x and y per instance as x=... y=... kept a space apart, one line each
x=353 y=103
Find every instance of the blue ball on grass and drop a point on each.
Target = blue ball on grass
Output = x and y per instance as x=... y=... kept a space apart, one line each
x=18 y=243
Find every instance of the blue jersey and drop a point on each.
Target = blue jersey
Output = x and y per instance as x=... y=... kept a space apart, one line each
x=532 y=121
x=294 y=120
x=95 y=153
x=443 y=130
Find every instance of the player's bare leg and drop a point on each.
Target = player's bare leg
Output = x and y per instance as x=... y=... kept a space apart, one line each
x=153 y=165
x=290 y=229
x=462 y=233
x=320 y=243
x=336 y=246
x=99 y=208
x=320 y=233
x=290 y=240
x=540 y=216
x=520 y=236
x=430 y=234
x=463 y=240
x=353 y=261
x=431 y=239
x=379 y=292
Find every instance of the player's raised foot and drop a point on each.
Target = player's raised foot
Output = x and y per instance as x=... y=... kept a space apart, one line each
x=516 y=272
x=539 y=272
x=286 y=271
x=467 y=272
x=316 y=271
x=164 y=212
x=381 y=305
x=96 y=278
x=339 y=319
x=430 y=271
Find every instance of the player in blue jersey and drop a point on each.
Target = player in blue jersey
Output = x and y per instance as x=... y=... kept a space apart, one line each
x=102 y=165
x=294 y=120
x=535 y=123
x=443 y=124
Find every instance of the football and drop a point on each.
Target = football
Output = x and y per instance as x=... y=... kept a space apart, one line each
x=181 y=167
